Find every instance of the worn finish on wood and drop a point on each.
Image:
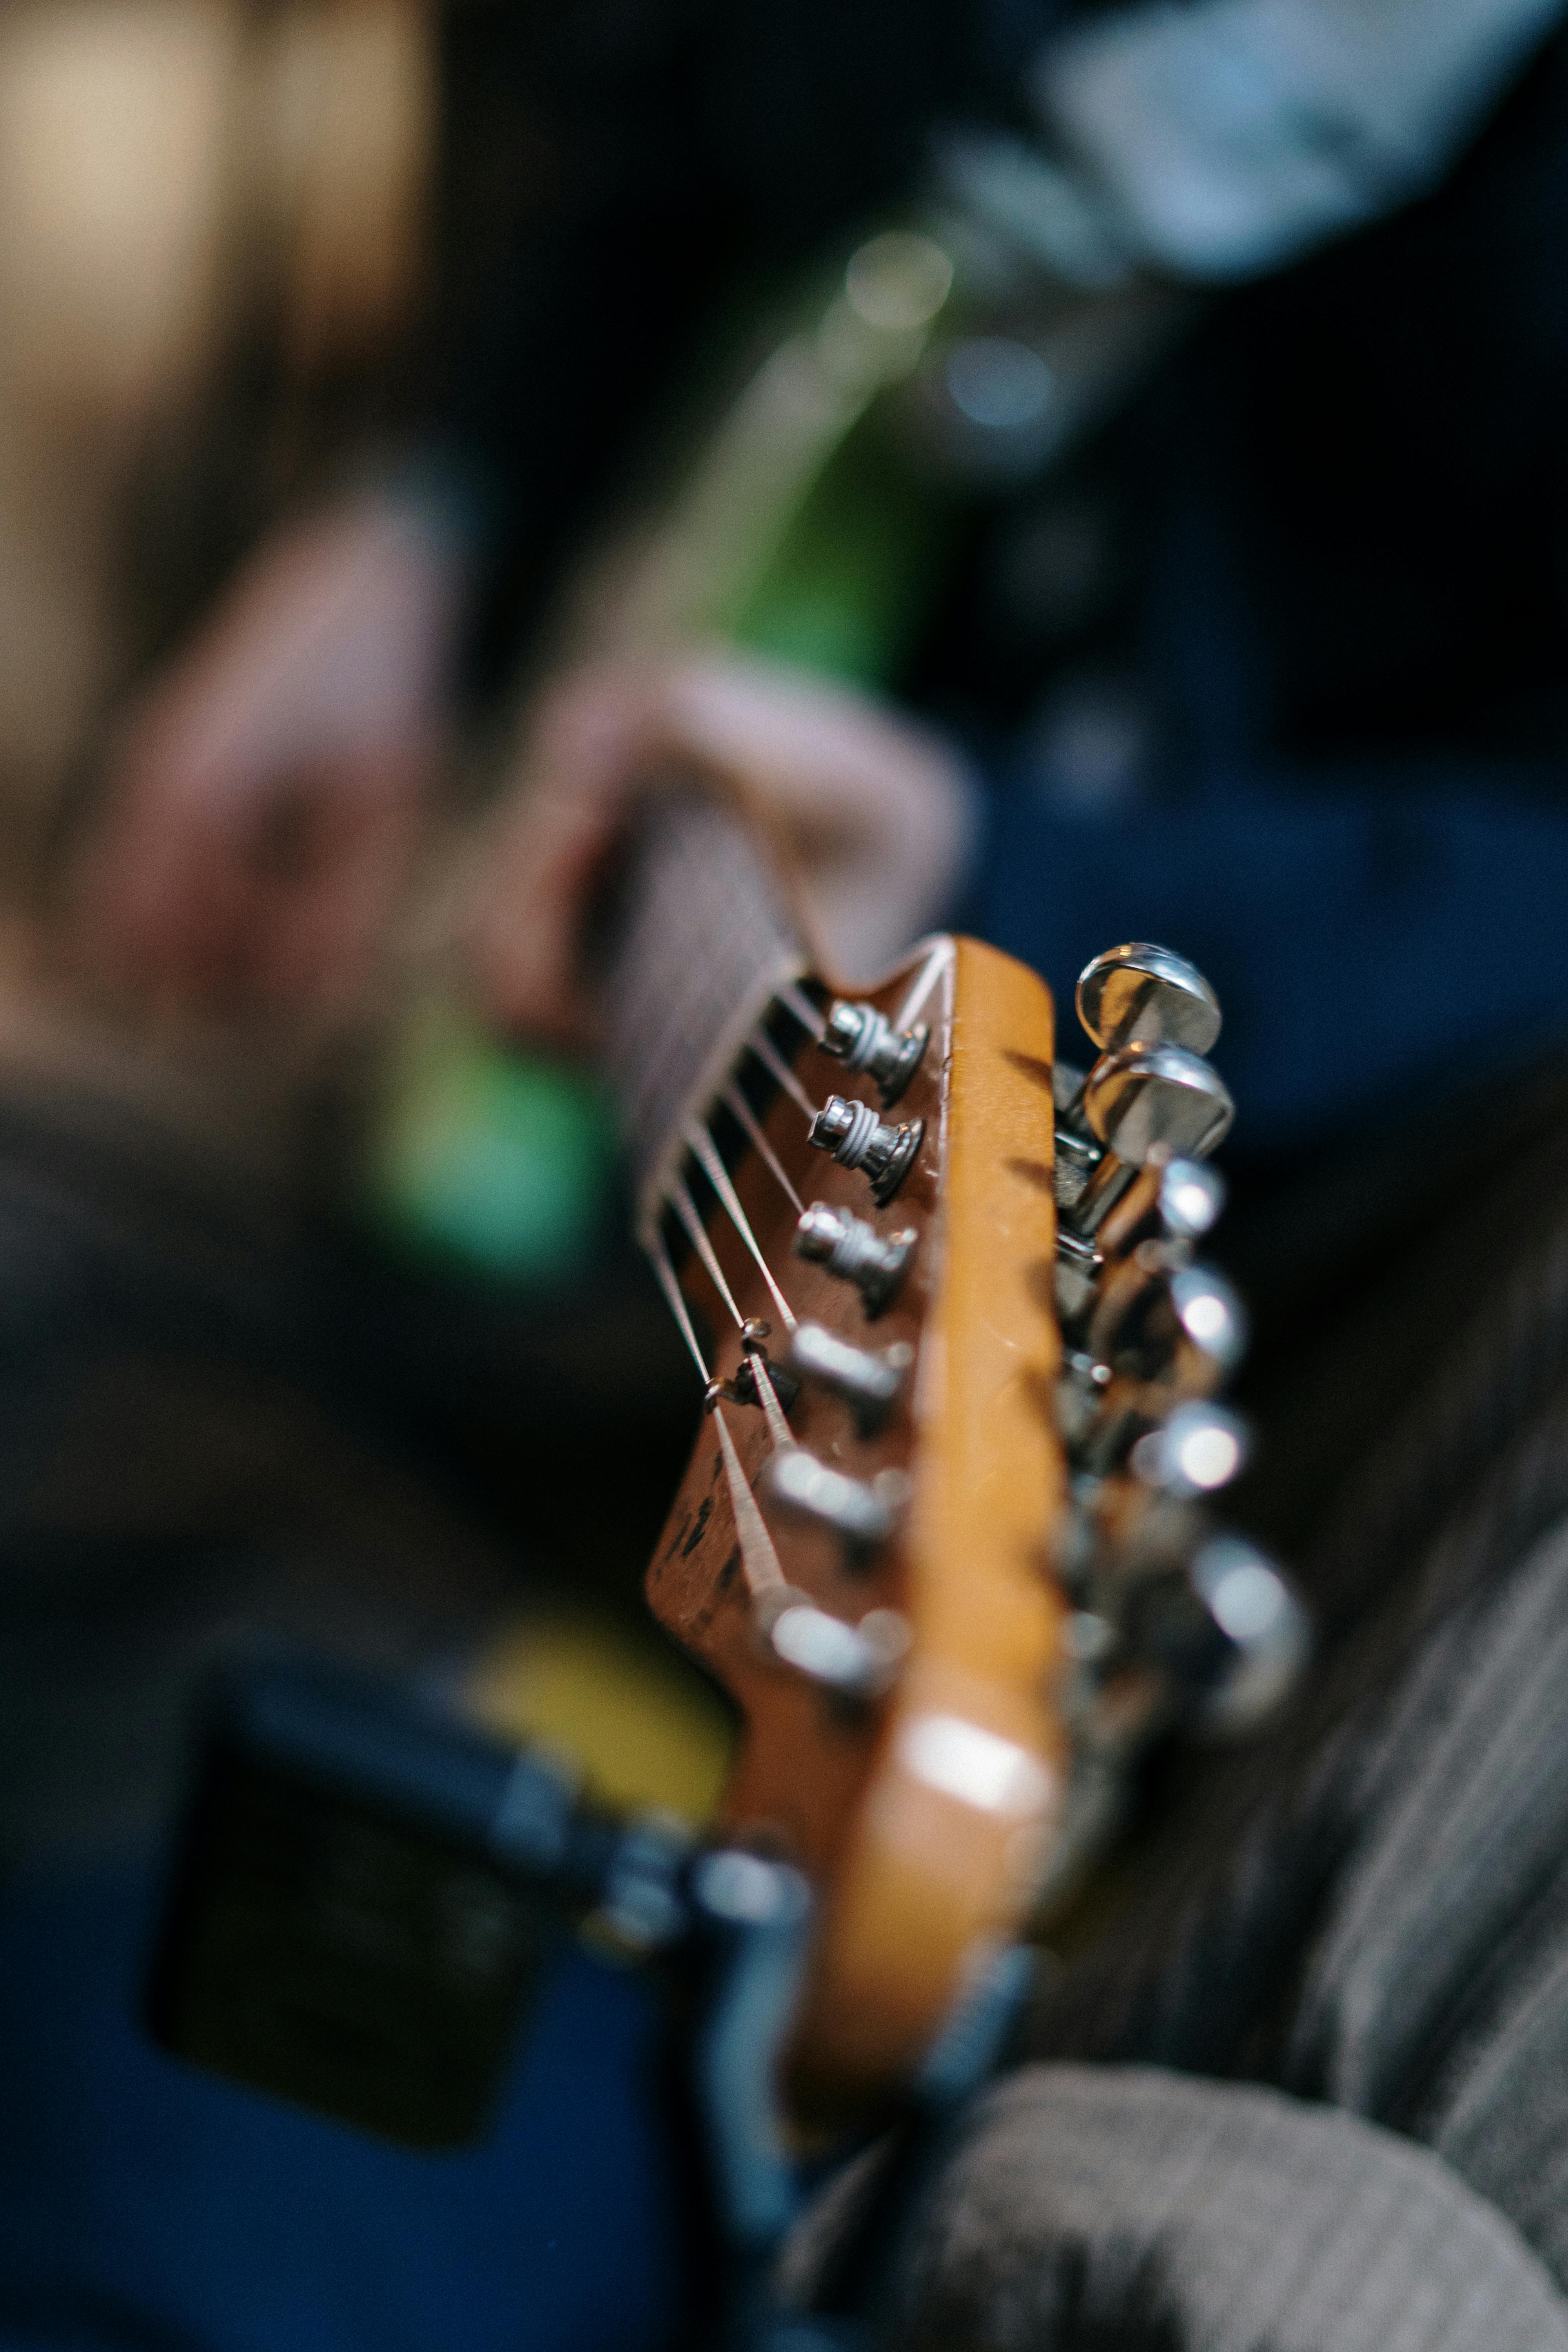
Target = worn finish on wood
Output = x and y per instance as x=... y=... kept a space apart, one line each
x=920 y=1818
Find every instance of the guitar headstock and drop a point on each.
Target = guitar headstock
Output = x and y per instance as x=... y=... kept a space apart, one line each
x=936 y=1535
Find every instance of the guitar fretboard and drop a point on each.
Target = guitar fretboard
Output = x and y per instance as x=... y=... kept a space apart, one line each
x=704 y=942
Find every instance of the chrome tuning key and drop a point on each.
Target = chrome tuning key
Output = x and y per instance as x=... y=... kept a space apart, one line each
x=1190 y=1199
x=1148 y=1309
x=856 y=1252
x=862 y=1512
x=1149 y=1100
x=868 y=1380
x=856 y=1137
x=853 y=1662
x=1144 y=995
x=1229 y=1631
x=1144 y=1099
x=1200 y=1449
x=864 y=1039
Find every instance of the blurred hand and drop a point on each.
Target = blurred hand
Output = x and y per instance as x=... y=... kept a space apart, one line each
x=263 y=796
x=876 y=810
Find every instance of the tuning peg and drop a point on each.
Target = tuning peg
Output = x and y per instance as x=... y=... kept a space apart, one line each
x=1211 y=1316
x=1142 y=1099
x=864 y=1039
x=1141 y=1320
x=858 y=1138
x=867 y=1378
x=1190 y=1200
x=1231 y=1630
x=1197 y=1451
x=856 y=1252
x=863 y=1512
x=1144 y=995
x=858 y=1662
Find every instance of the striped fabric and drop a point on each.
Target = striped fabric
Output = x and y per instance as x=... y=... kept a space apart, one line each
x=1309 y=2091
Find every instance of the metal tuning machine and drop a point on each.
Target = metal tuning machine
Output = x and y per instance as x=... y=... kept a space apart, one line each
x=1173 y=1623
x=851 y=1662
x=856 y=1252
x=1149 y=1103
x=865 y=1039
x=866 y=1380
x=856 y=1137
x=862 y=1512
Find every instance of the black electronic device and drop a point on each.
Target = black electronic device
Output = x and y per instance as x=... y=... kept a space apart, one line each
x=368 y=1893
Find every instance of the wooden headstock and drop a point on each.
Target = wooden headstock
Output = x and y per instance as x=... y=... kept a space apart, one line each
x=942 y=1535
x=917 y=1807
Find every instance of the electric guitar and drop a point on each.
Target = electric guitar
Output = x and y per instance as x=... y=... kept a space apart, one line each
x=941 y=1536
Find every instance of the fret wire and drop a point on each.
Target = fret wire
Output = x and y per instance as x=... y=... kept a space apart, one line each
x=701 y=1143
x=930 y=972
x=801 y=1005
x=686 y=1210
x=762 y=1048
x=758 y=1558
x=671 y=1290
x=778 y=1427
x=743 y=1110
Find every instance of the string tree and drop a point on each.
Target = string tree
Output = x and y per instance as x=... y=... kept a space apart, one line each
x=742 y=1389
x=865 y=1041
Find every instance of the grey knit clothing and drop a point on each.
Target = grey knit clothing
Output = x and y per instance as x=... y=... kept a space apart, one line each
x=1309 y=2091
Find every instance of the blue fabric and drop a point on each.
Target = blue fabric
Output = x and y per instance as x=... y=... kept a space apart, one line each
x=142 y=2203
x=1361 y=942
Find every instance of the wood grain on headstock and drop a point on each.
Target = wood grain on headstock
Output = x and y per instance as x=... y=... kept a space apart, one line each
x=919 y=1816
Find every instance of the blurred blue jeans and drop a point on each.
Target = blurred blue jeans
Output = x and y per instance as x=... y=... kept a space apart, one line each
x=145 y=2204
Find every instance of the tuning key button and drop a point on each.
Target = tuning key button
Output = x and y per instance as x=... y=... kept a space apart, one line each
x=1142 y=1099
x=856 y=1137
x=1200 y=1449
x=856 y=1252
x=864 y=1039
x=1191 y=1198
x=862 y=1512
x=868 y=1380
x=1229 y=1629
x=1144 y=995
x=1260 y=1623
x=1211 y=1316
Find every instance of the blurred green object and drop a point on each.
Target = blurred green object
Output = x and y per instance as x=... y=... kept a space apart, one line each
x=498 y=1160
x=855 y=573
x=793 y=524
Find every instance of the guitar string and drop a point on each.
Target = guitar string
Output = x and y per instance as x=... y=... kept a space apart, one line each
x=804 y=1010
x=743 y=1110
x=701 y=1143
x=676 y=1303
x=762 y=1048
x=758 y=1558
x=926 y=979
x=779 y=1429
x=685 y=1208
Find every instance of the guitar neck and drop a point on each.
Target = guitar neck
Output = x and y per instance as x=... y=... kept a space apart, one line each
x=699 y=941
